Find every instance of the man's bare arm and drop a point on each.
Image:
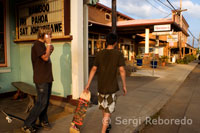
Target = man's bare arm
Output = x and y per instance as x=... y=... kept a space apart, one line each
x=46 y=56
x=123 y=77
x=92 y=73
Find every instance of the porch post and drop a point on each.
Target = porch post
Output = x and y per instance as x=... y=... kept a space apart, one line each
x=157 y=45
x=147 y=41
x=85 y=43
x=77 y=48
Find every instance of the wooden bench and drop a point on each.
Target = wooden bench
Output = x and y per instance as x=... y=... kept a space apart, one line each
x=28 y=89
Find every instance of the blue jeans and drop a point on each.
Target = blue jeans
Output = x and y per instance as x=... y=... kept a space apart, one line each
x=41 y=105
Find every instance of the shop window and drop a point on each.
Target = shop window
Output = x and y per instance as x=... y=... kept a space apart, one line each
x=3 y=60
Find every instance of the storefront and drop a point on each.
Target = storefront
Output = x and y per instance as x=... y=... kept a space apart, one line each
x=20 y=20
x=136 y=37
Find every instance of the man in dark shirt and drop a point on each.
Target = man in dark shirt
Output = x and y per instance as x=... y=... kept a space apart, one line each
x=107 y=62
x=42 y=77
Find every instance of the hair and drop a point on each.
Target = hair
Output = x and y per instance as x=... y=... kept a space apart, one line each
x=42 y=31
x=111 y=39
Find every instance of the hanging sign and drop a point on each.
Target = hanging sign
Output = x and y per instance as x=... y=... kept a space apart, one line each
x=172 y=38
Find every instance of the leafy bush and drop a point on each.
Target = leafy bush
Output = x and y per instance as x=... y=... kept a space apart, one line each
x=187 y=59
x=139 y=57
x=164 y=59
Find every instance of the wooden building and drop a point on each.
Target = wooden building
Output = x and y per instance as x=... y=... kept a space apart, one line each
x=135 y=36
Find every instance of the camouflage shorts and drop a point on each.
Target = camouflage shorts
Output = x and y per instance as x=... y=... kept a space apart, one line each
x=107 y=102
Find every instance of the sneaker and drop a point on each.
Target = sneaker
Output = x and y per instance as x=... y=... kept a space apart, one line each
x=26 y=129
x=108 y=128
x=46 y=125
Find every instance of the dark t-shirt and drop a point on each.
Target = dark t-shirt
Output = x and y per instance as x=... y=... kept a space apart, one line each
x=108 y=61
x=42 y=70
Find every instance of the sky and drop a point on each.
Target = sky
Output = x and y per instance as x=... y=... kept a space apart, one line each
x=153 y=9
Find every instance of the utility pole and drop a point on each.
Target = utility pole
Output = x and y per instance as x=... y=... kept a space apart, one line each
x=114 y=16
x=193 y=42
x=199 y=41
x=179 y=13
x=180 y=34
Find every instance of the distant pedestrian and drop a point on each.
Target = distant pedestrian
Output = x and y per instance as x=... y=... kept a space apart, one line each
x=108 y=62
x=43 y=78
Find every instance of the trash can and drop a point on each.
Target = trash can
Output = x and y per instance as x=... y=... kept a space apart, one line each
x=154 y=64
x=139 y=62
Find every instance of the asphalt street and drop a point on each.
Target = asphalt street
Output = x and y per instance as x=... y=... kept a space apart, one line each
x=185 y=104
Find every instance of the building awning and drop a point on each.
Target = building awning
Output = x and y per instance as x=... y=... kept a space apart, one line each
x=138 y=26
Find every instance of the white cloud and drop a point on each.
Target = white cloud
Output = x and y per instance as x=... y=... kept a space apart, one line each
x=106 y=2
x=193 y=9
x=141 y=9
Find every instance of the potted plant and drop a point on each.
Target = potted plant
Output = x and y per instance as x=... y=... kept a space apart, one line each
x=139 y=60
x=163 y=60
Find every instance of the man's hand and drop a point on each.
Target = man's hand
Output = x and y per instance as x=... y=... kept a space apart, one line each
x=92 y=73
x=125 y=90
x=48 y=40
x=86 y=89
x=123 y=77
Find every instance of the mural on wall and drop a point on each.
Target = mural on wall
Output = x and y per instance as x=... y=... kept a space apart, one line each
x=32 y=16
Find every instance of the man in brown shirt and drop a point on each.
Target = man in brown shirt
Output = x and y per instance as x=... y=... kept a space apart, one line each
x=43 y=78
x=108 y=62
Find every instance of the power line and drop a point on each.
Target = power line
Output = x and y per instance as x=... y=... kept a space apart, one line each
x=155 y=7
x=171 y=5
x=158 y=2
x=177 y=7
x=192 y=34
x=165 y=4
x=167 y=15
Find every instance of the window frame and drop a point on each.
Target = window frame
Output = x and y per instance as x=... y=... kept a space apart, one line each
x=5 y=42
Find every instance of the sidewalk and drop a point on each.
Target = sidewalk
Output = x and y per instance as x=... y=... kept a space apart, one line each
x=141 y=102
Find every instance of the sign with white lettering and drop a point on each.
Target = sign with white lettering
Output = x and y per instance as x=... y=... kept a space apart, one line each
x=172 y=38
x=43 y=13
x=166 y=27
